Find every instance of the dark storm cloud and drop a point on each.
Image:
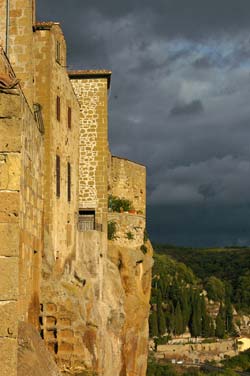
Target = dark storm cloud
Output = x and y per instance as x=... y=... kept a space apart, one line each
x=202 y=63
x=176 y=17
x=192 y=108
x=179 y=103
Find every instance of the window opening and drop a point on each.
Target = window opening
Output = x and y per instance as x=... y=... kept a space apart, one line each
x=58 y=173
x=86 y=220
x=69 y=181
x=69 y=117
x=58 y=108
x=58 y=52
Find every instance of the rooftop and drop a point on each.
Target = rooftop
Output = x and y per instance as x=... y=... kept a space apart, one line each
x=45 y=25
x=94 y=73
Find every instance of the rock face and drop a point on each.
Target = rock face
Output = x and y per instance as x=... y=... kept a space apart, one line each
x=33 y=357
x=95 y=315
x=135 y=278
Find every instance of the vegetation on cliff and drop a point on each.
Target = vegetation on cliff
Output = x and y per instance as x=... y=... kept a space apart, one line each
x=178 y=302
x=224 y=272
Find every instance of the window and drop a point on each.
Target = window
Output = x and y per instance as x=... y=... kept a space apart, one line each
x=58 y=108
x=86 y=220
x=58 y=176
x=69 y=117
x=58 y=52
x=69 y=181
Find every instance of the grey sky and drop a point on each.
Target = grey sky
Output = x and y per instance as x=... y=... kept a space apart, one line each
x=179 y=104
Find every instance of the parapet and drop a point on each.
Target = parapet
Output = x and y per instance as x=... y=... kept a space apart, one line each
x=128 y=180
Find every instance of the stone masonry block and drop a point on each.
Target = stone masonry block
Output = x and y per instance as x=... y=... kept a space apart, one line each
x=8 y=356
x=9 y=235
x=10 y=130
x=9 y=319
x=10 y=105
x=10 y=169
x=9 y=278
x=9 y=207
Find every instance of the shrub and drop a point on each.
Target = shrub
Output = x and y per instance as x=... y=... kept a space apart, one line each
x=117 y=204
x=144 y=249
x=111 y=230
x=130 y=235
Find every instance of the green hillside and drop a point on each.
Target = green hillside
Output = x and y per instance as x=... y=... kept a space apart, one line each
x=229 y=265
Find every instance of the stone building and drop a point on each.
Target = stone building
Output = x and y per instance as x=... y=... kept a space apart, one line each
x=63 y=286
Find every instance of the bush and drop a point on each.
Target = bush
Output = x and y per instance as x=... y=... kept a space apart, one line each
x=144 y=249
x=111 y=230
x=130 y=235
x=117 y=204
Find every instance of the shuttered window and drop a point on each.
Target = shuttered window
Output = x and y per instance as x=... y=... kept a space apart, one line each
x=58 y=108
x=69 y=117
x=69 y=181
x=58 y=176
x=58 y=52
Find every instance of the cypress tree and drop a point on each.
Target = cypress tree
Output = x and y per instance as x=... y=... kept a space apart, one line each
x=153 y=325
x=160 y=315
x=229 y=317
x=195 y=322
x=161 y=322
x=220 y=326
x=178 y=320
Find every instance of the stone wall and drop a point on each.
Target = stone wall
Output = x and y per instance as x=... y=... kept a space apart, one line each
x=129 y=229
x=10 y=171
x=200 y=352
x=61 y=139
x=92 y=92
x=3 y=10
x=128 y=180
x=21 y=213
x=31 y=215
x=20 y=43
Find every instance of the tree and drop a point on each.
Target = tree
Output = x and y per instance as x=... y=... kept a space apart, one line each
x=160 y=314
x=229 y=317
x=220 y=323
x=195 y=321
x=178 y=327
x=215 y=289
x=153 y=325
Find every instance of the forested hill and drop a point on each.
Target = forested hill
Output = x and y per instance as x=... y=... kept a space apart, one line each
x=222 y=271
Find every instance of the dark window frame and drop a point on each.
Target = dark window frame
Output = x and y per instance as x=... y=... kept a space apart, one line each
x=58 y=176
x=69 y=117
x=58 y=108
x=69 y=180
x=58 y=52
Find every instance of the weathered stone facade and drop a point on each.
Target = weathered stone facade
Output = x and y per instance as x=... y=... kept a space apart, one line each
x=21 y=219
x=127 y=179
x=87 y=297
